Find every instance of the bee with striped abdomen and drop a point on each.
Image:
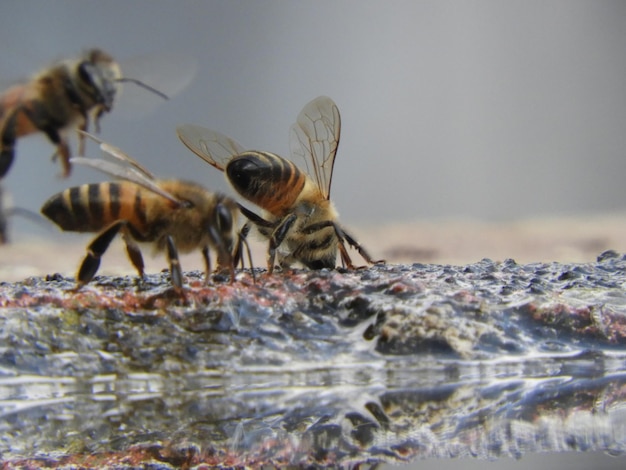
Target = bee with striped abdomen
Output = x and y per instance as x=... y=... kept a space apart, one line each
x=299 y=219
x=173 y=215
x=60 y=98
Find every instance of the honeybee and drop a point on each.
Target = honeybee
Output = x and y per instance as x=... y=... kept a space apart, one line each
x=62 y=97
x=173 y=215
x=299 y=219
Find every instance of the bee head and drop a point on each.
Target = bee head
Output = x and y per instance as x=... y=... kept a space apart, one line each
x=98 y=74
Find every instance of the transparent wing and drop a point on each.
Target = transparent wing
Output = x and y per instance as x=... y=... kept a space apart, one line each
x=117 y=153
x=128 y=169
x=126 y=173
x=169 y=73
x=315 y=137
x=214 y=148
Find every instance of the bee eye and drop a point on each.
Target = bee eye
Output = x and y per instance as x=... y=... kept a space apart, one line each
x=85 y=72
x=103 y=90
x=224 y=219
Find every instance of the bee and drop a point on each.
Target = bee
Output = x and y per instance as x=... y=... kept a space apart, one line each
x=173 y=215
x=67 y=95
x=299 y=220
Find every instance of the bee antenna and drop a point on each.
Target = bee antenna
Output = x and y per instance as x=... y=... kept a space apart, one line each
x=143 y=85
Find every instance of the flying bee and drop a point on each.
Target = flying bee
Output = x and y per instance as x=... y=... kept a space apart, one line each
x=62 y=97
x=299 y=219
x=173 y=215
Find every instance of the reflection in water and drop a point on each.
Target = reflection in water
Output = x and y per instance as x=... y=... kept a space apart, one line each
x=394 y=411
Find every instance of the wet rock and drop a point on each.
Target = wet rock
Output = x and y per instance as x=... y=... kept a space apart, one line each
x=314 y=368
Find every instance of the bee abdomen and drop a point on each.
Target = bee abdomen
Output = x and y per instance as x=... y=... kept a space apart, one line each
x=85 y=208
x=268 y=180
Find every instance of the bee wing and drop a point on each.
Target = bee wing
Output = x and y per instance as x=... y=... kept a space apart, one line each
x=315 y=137
x=131 y=170
x=214 y=148
x=117 y=153
x=126 y=173
x=169 y=73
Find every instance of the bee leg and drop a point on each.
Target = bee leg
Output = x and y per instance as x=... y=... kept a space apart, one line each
x=95 y=250
x=3 y=222
x=354 y=244
x=81 y=137
x=7 y=146
x=134 y=254
x=259 y=222
x=224 y=251
x=96 y=119
x=345 y=257
x=254 y=218
x=41 y=120
x=342 y=235
x=237 y=255
x=63 y=150
x=6 y=158
x=245 y=242
x=175 y=271
x=241 y=238
x=278 y=236
x=207 y=264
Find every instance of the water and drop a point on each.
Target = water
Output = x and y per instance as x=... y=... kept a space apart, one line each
x=392 y=364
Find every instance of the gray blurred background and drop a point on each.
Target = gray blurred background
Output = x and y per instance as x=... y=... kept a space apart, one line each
x=484 y=109
x=487 y=109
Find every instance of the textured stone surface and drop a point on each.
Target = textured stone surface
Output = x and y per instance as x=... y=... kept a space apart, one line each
x=389 y=363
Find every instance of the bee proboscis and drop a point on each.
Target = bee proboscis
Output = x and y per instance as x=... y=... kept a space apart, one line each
x=62 y=97
x=299 y=220
x=173 y=215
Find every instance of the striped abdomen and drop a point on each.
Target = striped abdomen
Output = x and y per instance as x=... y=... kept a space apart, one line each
x=91 y=207
x=269 y=181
